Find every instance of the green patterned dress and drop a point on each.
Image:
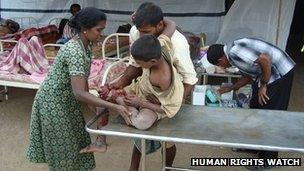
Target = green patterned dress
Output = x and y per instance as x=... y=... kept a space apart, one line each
x=57 y=125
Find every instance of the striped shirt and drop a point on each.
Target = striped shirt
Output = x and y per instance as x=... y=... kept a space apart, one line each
x=67 y=32
x=243 y=53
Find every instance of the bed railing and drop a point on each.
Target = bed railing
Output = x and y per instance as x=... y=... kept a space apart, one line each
x=6 y=41
x=105 y=75
x=118 y=55
x=56 y=21
x=52 y=45
x=26 y=22
x=116 y=35
x=116 y=60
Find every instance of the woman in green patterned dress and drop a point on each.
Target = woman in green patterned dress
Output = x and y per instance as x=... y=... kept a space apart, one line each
x=57 y=131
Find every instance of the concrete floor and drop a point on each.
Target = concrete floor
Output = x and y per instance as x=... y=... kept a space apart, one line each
x=14 y=131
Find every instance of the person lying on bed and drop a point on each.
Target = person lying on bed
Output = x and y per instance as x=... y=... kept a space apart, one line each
x=8 y=27
x=47 y=34
x=27 y=57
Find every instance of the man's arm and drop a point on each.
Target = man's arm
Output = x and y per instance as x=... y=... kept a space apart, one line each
x=183 y=62
x=133 y=70
x=126 y=79
x=265 y=64
x=246 y=79
x=170 y=27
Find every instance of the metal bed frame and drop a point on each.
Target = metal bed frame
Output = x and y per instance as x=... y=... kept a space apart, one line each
x=117 y=60
x=56 y=21
x=18 y=84
x=26 y=21
x=224 y=127
x=116 y=35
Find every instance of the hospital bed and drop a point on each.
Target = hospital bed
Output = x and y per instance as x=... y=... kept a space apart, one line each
x=29 y=27
x=2 y=43
x=223 y=127
x=20 y=81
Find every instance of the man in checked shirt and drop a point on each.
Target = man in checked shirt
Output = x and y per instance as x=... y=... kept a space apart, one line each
x=269 y=68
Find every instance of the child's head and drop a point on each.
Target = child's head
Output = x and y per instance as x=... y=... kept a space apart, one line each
x=146 y=51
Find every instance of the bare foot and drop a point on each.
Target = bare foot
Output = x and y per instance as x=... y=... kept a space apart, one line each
x=94 y=148
x=99 y=146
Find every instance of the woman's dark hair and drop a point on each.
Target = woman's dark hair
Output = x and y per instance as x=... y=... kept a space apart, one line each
x=13 y=26
x=86 y=18
x=214 y=53
x=146 y=48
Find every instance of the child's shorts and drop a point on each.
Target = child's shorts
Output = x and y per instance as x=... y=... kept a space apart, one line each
x=151 y=145
x=161 y=116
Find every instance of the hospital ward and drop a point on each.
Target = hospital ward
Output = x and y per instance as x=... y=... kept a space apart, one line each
x=124 y=85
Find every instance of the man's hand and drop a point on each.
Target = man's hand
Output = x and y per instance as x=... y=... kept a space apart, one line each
x=133 y=100
x=224 y=89
x=262 y=95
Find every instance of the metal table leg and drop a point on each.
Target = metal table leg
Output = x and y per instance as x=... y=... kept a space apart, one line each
x=6 y=93
x=229 y=79
x=205 y=79
x=199 y=81
x=2 y=92
x=164 y=155
x=143 y=154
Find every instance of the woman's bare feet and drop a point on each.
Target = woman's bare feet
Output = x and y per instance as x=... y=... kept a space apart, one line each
x=99 y=146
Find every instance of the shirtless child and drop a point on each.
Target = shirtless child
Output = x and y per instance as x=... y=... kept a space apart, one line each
x=106 y=93
x=159 y=79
